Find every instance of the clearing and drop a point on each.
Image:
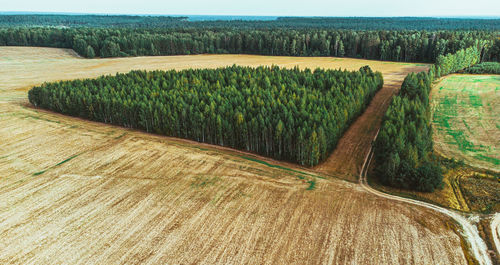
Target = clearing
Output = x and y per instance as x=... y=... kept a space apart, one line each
x=75 y=191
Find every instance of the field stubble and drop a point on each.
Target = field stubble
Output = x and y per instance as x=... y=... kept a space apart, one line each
x=74 y=191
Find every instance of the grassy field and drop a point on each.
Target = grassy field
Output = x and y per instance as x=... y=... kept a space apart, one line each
x=466 y=119
x=74 y=191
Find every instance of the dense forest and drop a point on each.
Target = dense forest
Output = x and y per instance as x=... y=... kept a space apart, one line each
x=404 y=148
x=484 y=68
x=354 y=23
x=290 y=115
x=406 y=46
x=98 y=21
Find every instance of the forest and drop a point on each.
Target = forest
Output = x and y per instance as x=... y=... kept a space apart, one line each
x=484 y=68
x=404 y=148
x=102 y=21
x=353 y=23
x=294 y=115
x=403 y=46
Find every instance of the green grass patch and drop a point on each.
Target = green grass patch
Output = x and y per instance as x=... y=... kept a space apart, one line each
x=204 y=181
x=66 y=160
x=488 y=159
x=445 y=110
x=58 y=164
x=444 y=115
x=467 y=125
x=312 y=184
x=462 y=141
x=475 y=100
x=202 y=149
x=39 y=173
x=120 y=136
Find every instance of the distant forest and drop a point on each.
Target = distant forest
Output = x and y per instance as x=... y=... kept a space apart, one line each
x=388 y=39
x=356 y=23
x=404 y=46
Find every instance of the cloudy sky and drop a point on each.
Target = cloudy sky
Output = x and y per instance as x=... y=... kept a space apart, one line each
x=264 y=7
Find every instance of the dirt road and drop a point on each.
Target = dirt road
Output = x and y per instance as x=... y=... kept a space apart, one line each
x=346 y=160
x=469 y=230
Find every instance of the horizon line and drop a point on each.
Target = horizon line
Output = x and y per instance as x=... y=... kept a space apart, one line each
x=236 y=15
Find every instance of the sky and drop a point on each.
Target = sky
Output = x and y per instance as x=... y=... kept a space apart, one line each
x=377 y=8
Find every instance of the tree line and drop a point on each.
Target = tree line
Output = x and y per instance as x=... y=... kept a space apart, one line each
x=452 y=63
x=356 y=23
x=484 y=68
x=404 y=147
x=404 y=46
x=103 y=21
x=295 y=115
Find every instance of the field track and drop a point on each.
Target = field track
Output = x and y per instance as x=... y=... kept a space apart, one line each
x=347 y=159
x=74 y=191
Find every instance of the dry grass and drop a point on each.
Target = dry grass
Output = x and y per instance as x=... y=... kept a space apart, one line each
x=74 y=191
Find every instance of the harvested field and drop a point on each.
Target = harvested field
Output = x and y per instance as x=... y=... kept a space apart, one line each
x=466 y=119
x=74 y=191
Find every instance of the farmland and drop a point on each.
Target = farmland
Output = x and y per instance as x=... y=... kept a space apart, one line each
x=466 y=121
x=344 y=162
x=79 y=191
